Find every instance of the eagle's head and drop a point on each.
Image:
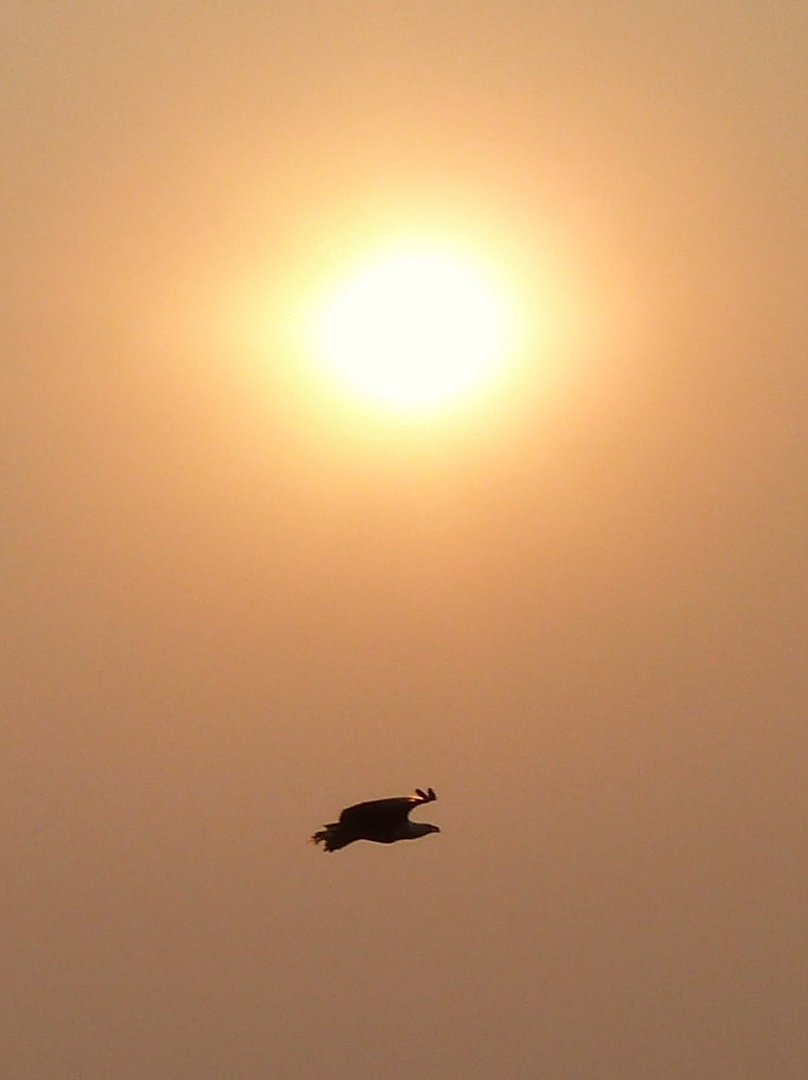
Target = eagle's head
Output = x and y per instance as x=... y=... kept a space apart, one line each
x=421 y=828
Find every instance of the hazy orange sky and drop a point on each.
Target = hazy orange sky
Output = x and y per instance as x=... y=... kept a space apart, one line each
x=232 y=608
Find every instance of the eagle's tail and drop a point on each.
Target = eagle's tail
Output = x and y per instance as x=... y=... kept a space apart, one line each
x=332 y=837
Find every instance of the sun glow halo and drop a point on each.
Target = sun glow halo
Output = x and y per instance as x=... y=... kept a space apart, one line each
x=415 y=330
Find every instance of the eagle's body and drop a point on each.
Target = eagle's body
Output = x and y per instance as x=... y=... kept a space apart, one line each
x=383 y=821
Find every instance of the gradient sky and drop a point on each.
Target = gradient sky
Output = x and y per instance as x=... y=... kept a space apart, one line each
x=581 y=618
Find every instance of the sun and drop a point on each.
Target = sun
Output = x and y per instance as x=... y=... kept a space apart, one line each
x=415 y=330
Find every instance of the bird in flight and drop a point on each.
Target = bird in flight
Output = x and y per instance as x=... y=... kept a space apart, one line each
x=383 y=821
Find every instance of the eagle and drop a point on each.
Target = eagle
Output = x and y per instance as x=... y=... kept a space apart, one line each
x=382 y=820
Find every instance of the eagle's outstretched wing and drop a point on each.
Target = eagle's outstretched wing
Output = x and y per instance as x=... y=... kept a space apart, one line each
x=385 y=809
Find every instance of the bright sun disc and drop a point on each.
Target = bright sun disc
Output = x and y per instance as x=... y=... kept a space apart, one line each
x=414 y=331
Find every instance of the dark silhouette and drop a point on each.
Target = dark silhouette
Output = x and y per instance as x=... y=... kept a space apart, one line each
x=383 y=821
